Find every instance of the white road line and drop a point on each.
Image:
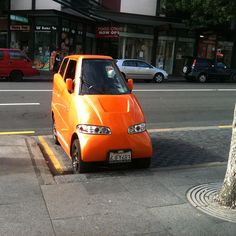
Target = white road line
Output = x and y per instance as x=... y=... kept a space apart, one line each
x=20 y=104
x=26 y=90
x=184 y=90
x=135 y=90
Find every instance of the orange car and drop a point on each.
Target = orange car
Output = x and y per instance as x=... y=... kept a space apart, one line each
x=96 y=117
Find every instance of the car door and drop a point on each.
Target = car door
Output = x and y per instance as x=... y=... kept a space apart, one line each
x=145 y=70
x=66 y=101
x=18 y=61
x=57 y=102
x=222 y=71
x=129 y=67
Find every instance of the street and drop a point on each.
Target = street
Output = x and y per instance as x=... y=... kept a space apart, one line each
x=25 y=106
x=189 y=124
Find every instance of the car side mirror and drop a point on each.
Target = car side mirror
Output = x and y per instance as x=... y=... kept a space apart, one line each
x=130 y=84
x=69 y=85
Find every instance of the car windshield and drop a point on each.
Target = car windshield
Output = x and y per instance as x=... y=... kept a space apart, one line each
x=101 y=76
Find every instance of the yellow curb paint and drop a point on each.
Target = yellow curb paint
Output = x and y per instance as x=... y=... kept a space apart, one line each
x=225 y=126
x=57 y=165
x=17 y=132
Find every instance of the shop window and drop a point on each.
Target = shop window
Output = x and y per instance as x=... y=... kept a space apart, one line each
x=16 y=55
x=1 y=55
x=63 y=67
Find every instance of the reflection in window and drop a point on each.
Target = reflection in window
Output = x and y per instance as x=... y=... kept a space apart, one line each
x=102 y=77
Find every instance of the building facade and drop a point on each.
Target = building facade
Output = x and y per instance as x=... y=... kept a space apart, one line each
x=119 y=28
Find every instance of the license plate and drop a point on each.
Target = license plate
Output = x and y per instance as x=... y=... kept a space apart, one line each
x=120 y=157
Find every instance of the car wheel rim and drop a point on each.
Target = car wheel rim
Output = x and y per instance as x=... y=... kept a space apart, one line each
x=202 y=78
x=158 y=78
x=75 y=159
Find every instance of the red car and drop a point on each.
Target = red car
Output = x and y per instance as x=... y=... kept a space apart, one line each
x=14 y=64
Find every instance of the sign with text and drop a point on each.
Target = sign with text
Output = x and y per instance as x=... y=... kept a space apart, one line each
x=45 y=28
x=107 y=32
x=20 y=27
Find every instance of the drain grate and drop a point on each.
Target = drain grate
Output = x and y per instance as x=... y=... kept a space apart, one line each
x=202 y=197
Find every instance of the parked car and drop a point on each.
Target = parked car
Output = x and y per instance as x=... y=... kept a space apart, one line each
x=14 y=64
x=202 y=70
x=138 y=69
x=95 y=115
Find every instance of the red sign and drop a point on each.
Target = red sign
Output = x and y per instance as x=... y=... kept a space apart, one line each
x=107 y=32
x=20 y=27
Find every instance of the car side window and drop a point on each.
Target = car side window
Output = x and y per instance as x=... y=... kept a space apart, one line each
x=63 y=67
x=129 y=63
x=1 y=55
x=70 y=72
x=220 y=65
x=143 y=64
x=16 y=55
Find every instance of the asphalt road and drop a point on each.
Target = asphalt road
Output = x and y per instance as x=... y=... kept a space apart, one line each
x=25 y=106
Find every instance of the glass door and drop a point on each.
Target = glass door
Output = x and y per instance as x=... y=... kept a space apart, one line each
x=165 y=55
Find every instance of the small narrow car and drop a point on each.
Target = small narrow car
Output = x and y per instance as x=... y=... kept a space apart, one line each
x=95 y=115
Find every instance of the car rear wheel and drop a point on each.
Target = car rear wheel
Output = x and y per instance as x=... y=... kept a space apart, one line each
x=16 y=76
x=78 y=166
x=54 y=132
x=142 y=163
x=158 y=78
x=202 y=78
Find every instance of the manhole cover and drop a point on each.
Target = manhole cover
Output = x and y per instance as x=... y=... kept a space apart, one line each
x=202 y=197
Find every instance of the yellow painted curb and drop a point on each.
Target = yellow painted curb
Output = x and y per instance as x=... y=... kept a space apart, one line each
x=17 y=132
x=57 y=165
x=225 y=126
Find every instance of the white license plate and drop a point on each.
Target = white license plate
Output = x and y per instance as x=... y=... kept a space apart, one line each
x=120 y=157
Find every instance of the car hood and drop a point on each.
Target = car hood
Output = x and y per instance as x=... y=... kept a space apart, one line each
x=110 y=110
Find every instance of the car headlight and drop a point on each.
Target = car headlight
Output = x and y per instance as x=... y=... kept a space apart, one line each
x=93 y=129
x=139 y=128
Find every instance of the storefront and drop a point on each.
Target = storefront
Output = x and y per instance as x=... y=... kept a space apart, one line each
x=42 y=34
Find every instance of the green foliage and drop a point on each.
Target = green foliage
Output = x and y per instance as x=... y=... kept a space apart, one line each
x=200 y=13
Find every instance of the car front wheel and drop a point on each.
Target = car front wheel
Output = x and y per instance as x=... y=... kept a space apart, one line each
x=202 y=78
x=233 y=78
x=158 y=78
x=78 y=166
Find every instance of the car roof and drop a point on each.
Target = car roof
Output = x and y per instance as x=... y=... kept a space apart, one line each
x=77 y=56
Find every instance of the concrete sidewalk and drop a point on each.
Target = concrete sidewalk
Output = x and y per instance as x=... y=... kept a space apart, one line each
x=119 y=202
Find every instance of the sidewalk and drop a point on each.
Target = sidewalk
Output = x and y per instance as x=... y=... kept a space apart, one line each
x=124 y=202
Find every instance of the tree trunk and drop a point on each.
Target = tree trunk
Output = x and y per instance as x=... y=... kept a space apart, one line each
x=227 y=194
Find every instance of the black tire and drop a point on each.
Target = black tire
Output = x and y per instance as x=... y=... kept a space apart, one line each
x=142 y=163
x=54 y=132
x=16 y=76
x=233 y=78
x=78 y=166
x=202 y=78
x=158 y=78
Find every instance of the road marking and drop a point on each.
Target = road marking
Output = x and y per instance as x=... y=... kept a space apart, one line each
x=135 y=90
x=17 y=132
x=57 y=165
x=26 y=90
x=20 y=104
x=184 y=90
x=189 y=128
